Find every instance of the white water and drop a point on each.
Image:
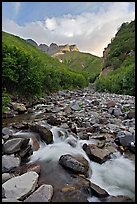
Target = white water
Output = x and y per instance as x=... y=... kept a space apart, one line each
x=116 y=176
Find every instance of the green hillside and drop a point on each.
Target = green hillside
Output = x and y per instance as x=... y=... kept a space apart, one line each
x=85 y=63
x=28 y=71
x=120 y=57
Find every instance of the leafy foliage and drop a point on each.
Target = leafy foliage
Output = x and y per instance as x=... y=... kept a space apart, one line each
x=28 y=71
x=85 y=63
x=121 y=58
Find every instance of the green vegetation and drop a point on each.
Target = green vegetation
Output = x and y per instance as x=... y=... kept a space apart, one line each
x=5 y=101
x=27 y=71
x=85 y=63
x=121 y=58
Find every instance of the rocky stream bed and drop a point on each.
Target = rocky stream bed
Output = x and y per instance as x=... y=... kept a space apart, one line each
x=72 y=146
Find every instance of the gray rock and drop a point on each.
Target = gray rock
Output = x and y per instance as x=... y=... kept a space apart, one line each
x=44 y=132
x=20 y=107
x=6 y=177
x=75 y=107
x=13 y=145
x=43 y=194
x=99 y=192
x=7 y=131
x=10 y=200
x=96 y=154
x=76 y=164
x=20 y=187
x=119 y=198
x=117 y=112
x=9 y=162
x=3 y=192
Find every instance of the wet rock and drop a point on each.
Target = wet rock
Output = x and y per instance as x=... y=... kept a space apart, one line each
x=35 y=143
x=13 y=145
x=20 y=107
x=3 y=193
x=6 y=177
x=53 y=121
x=101 y=144
x=5 y=137
x=43 y=194
x=19 y=187
x=76 y=164
x=96 y=154
x=21 y=126
x=29 y=167
x=119 y=198
x=10 y=200
x=99 y=192
x=124 y=140
x=7 y=131
x=44 y=132
x=27 y=151
x=9 y=162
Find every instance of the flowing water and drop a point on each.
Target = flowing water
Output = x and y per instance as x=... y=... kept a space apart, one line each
x=116 y=176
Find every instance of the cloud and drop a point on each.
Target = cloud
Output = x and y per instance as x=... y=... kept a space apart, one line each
x=17 y=6
x=90 y=31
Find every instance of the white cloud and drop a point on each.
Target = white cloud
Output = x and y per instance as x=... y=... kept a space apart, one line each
x=17 y=6
x=90 y=31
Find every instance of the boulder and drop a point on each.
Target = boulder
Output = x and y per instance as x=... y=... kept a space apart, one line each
x=7 y=131
x=111 y=103
x=10 y=162
x=29 y=167
x=119 y=198
x=20 y=187
x=20 y=107
x=3 y=193
x=96 y=154
x=99 y=192
x=44 y=132
x=74 y=163
x=6 y=177
x=10 y=200
x=14 y=145
x=43 y=194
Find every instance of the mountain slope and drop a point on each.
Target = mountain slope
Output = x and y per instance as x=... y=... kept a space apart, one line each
x=85 y=63
x=118 y=67
x=29 y=71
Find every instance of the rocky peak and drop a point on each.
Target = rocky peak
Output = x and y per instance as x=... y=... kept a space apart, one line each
x=53 y=48
x=32 y=42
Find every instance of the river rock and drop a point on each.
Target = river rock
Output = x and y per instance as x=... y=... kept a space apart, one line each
x=52 y=120
x=96 y=154
x=6 y=177
x=76 y=164
x=43 y=194
x=111 y=104
x=99 y=192
x=3 y=192
x=13 y=145
x=10 y=200
x=7 y=131
x=29 y=167
x=44 y=132
x=75 y=107
x=130 y=114
x=9 y=162
x=20 y=107
x=21 y=186
x=119 y=198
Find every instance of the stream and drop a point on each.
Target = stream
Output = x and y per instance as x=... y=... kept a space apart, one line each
x=116 y=175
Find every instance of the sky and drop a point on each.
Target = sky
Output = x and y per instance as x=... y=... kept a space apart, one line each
x=89 y=25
